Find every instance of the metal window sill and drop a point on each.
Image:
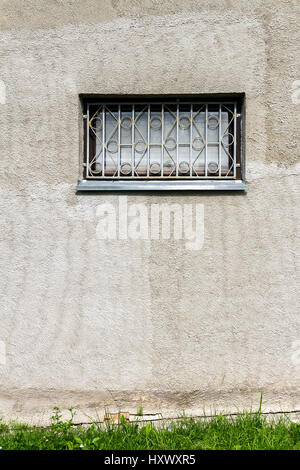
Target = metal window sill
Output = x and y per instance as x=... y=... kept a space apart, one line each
x=155 y=185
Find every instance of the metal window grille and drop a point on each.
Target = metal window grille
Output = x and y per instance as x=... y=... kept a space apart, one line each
x=162 y=141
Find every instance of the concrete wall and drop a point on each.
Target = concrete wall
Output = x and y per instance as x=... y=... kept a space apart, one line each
x=117 y=324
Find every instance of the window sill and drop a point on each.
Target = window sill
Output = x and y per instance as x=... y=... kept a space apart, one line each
x=155 y=185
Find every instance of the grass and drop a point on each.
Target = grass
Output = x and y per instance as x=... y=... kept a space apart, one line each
x=244 y=432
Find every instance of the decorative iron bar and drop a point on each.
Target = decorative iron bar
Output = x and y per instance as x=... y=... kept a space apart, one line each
x=161 y=140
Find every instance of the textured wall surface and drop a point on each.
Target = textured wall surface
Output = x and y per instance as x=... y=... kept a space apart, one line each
x=100 y=324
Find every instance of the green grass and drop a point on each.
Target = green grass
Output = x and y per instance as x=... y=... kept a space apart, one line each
x=246 y=431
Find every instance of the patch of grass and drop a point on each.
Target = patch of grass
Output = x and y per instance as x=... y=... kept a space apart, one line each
x=247 y=431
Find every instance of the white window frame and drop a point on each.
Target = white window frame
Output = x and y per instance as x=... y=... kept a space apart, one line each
x=169 y=144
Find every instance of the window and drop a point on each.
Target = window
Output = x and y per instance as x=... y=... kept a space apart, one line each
x=169 y=144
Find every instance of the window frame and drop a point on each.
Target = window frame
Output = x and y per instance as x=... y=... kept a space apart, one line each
x=164 y=183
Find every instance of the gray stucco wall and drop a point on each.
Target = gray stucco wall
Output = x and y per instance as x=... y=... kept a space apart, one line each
x=112 y=325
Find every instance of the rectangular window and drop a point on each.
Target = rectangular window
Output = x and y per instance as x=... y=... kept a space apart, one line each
x=171 y=144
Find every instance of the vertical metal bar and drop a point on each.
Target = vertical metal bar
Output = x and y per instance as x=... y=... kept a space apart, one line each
x=234 y=142
x=162 y=141
x=220 y=128
x=88 y=141
x=119 y=139
x=103 y=141
x=148 y=137
x=177 y=137
x=206 y=117
x=191 y=138
x=132 y=141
